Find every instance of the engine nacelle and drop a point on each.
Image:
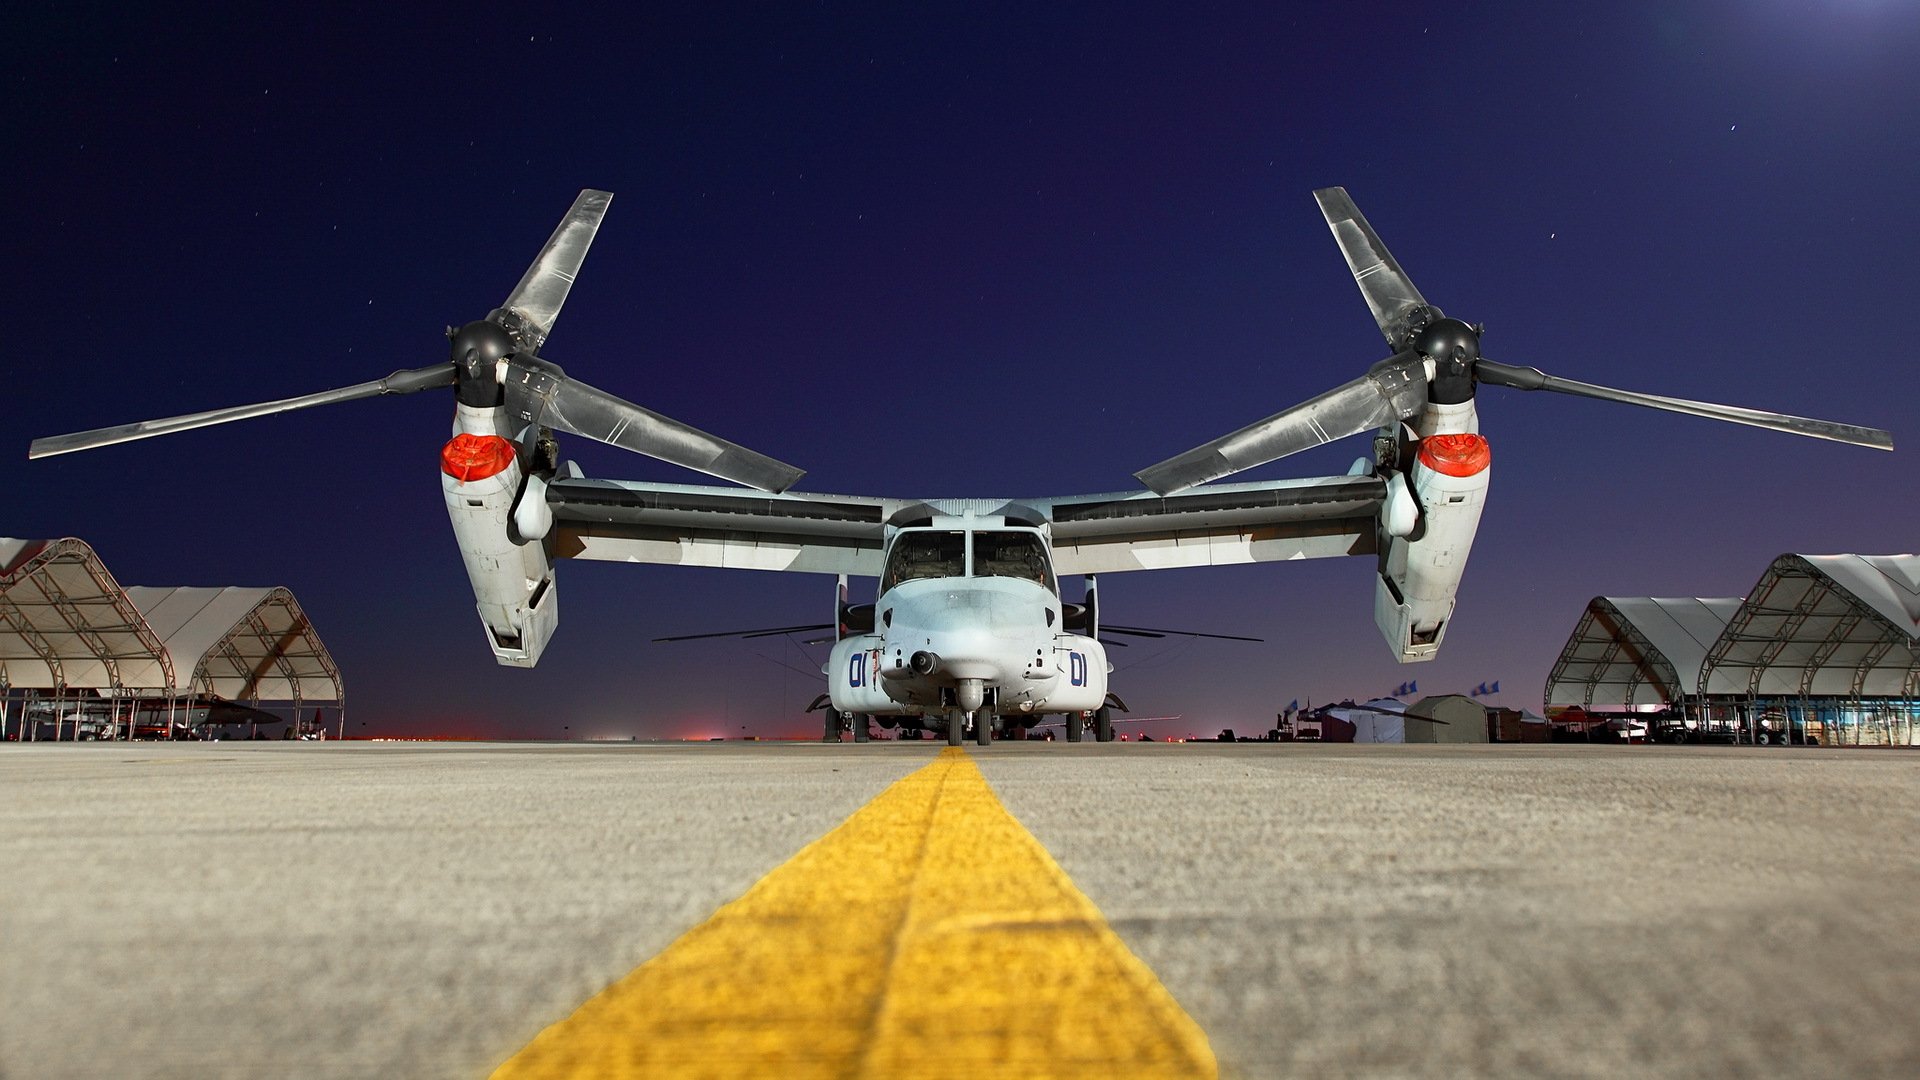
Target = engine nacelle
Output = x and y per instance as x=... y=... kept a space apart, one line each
x=512 y=578
x=1420 y=574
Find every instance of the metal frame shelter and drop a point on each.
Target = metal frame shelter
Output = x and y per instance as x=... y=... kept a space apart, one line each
x=1823 y=648
x=69 y=631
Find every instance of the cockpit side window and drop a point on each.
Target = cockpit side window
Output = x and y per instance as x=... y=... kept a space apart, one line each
x=925 y=554
x=1014 y=555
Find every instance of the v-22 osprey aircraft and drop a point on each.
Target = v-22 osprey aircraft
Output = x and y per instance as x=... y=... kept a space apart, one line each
x=968 y=626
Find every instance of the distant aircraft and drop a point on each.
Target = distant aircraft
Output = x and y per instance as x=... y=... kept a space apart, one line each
x=968 y=624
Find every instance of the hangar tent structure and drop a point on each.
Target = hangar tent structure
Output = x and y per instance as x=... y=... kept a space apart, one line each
x=72 y=636
x=1446 y=718
x=1823 y=649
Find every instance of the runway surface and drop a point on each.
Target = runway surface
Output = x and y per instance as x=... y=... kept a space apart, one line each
x=429 y=910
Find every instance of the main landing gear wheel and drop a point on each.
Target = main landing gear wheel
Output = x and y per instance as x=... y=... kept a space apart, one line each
x=1103 y=724
x=983 y=727
x=859 y=722
x=956 y=727
x=1076 y=727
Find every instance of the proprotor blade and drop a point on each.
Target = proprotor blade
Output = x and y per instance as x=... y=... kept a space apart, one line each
x=1154 y=631
x=400 y=382
x=538 y=298
x=1526 y=378
x=770 y=631
x=540 y=393
x=1393 y=390
x=1389 y=292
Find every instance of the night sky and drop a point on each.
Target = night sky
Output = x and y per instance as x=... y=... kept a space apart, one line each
x=1011 y=250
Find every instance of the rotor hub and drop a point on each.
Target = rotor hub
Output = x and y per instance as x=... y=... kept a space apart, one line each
x=476 y=349
x=1449 y=340
x=478 y=345
x=1454 y=347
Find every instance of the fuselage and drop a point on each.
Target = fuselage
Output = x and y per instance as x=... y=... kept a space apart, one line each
x=968 y=618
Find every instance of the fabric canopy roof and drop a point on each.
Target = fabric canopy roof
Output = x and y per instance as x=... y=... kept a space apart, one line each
x=65 y=622
x=1638 y=650
x=1814 y=625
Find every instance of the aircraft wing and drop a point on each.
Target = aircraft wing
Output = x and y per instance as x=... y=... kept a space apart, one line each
x=1217 y=525
x=737 y=528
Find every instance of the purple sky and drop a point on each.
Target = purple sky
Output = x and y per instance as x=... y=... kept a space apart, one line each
x=1019 y=250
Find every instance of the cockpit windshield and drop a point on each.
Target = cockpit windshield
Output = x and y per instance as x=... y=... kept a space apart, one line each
x=925 y=554
x=1014 y=555
x=942 y=553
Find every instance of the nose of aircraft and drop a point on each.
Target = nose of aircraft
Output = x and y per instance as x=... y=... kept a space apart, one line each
x=975 y=634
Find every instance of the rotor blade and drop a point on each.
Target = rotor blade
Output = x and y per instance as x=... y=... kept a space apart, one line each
x=400 y=382
x=540 y=393
x=1390 y=293
x=543 y=289
x=785 y=630
x=767 y=631
x=1155 y=631
x=1525 y=378
x=1394 y=389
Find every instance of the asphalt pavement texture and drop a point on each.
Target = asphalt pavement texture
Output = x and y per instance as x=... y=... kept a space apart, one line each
x=242 y=910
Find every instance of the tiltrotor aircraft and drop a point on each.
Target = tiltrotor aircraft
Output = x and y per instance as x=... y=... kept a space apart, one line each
x=968 y=624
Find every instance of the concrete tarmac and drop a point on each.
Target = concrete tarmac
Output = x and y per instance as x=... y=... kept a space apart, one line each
x=213 y=910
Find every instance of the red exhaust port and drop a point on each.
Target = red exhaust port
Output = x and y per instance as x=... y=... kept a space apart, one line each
x=475 y=457
x=1455 y=455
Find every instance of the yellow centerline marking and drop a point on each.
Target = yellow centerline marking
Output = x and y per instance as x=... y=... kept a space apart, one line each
x=929 y=934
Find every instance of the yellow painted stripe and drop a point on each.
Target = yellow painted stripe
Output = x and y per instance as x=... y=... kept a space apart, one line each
x=928 y=935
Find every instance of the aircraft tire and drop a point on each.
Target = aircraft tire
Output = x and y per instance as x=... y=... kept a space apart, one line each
x=1103 y=724
x=983 y=728
x=956 y=727
x=859 y=722
x=1076 y=727
x=831 y=734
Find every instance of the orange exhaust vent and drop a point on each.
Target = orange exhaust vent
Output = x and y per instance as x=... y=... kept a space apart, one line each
x=1455 y=455
x=475 y=457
